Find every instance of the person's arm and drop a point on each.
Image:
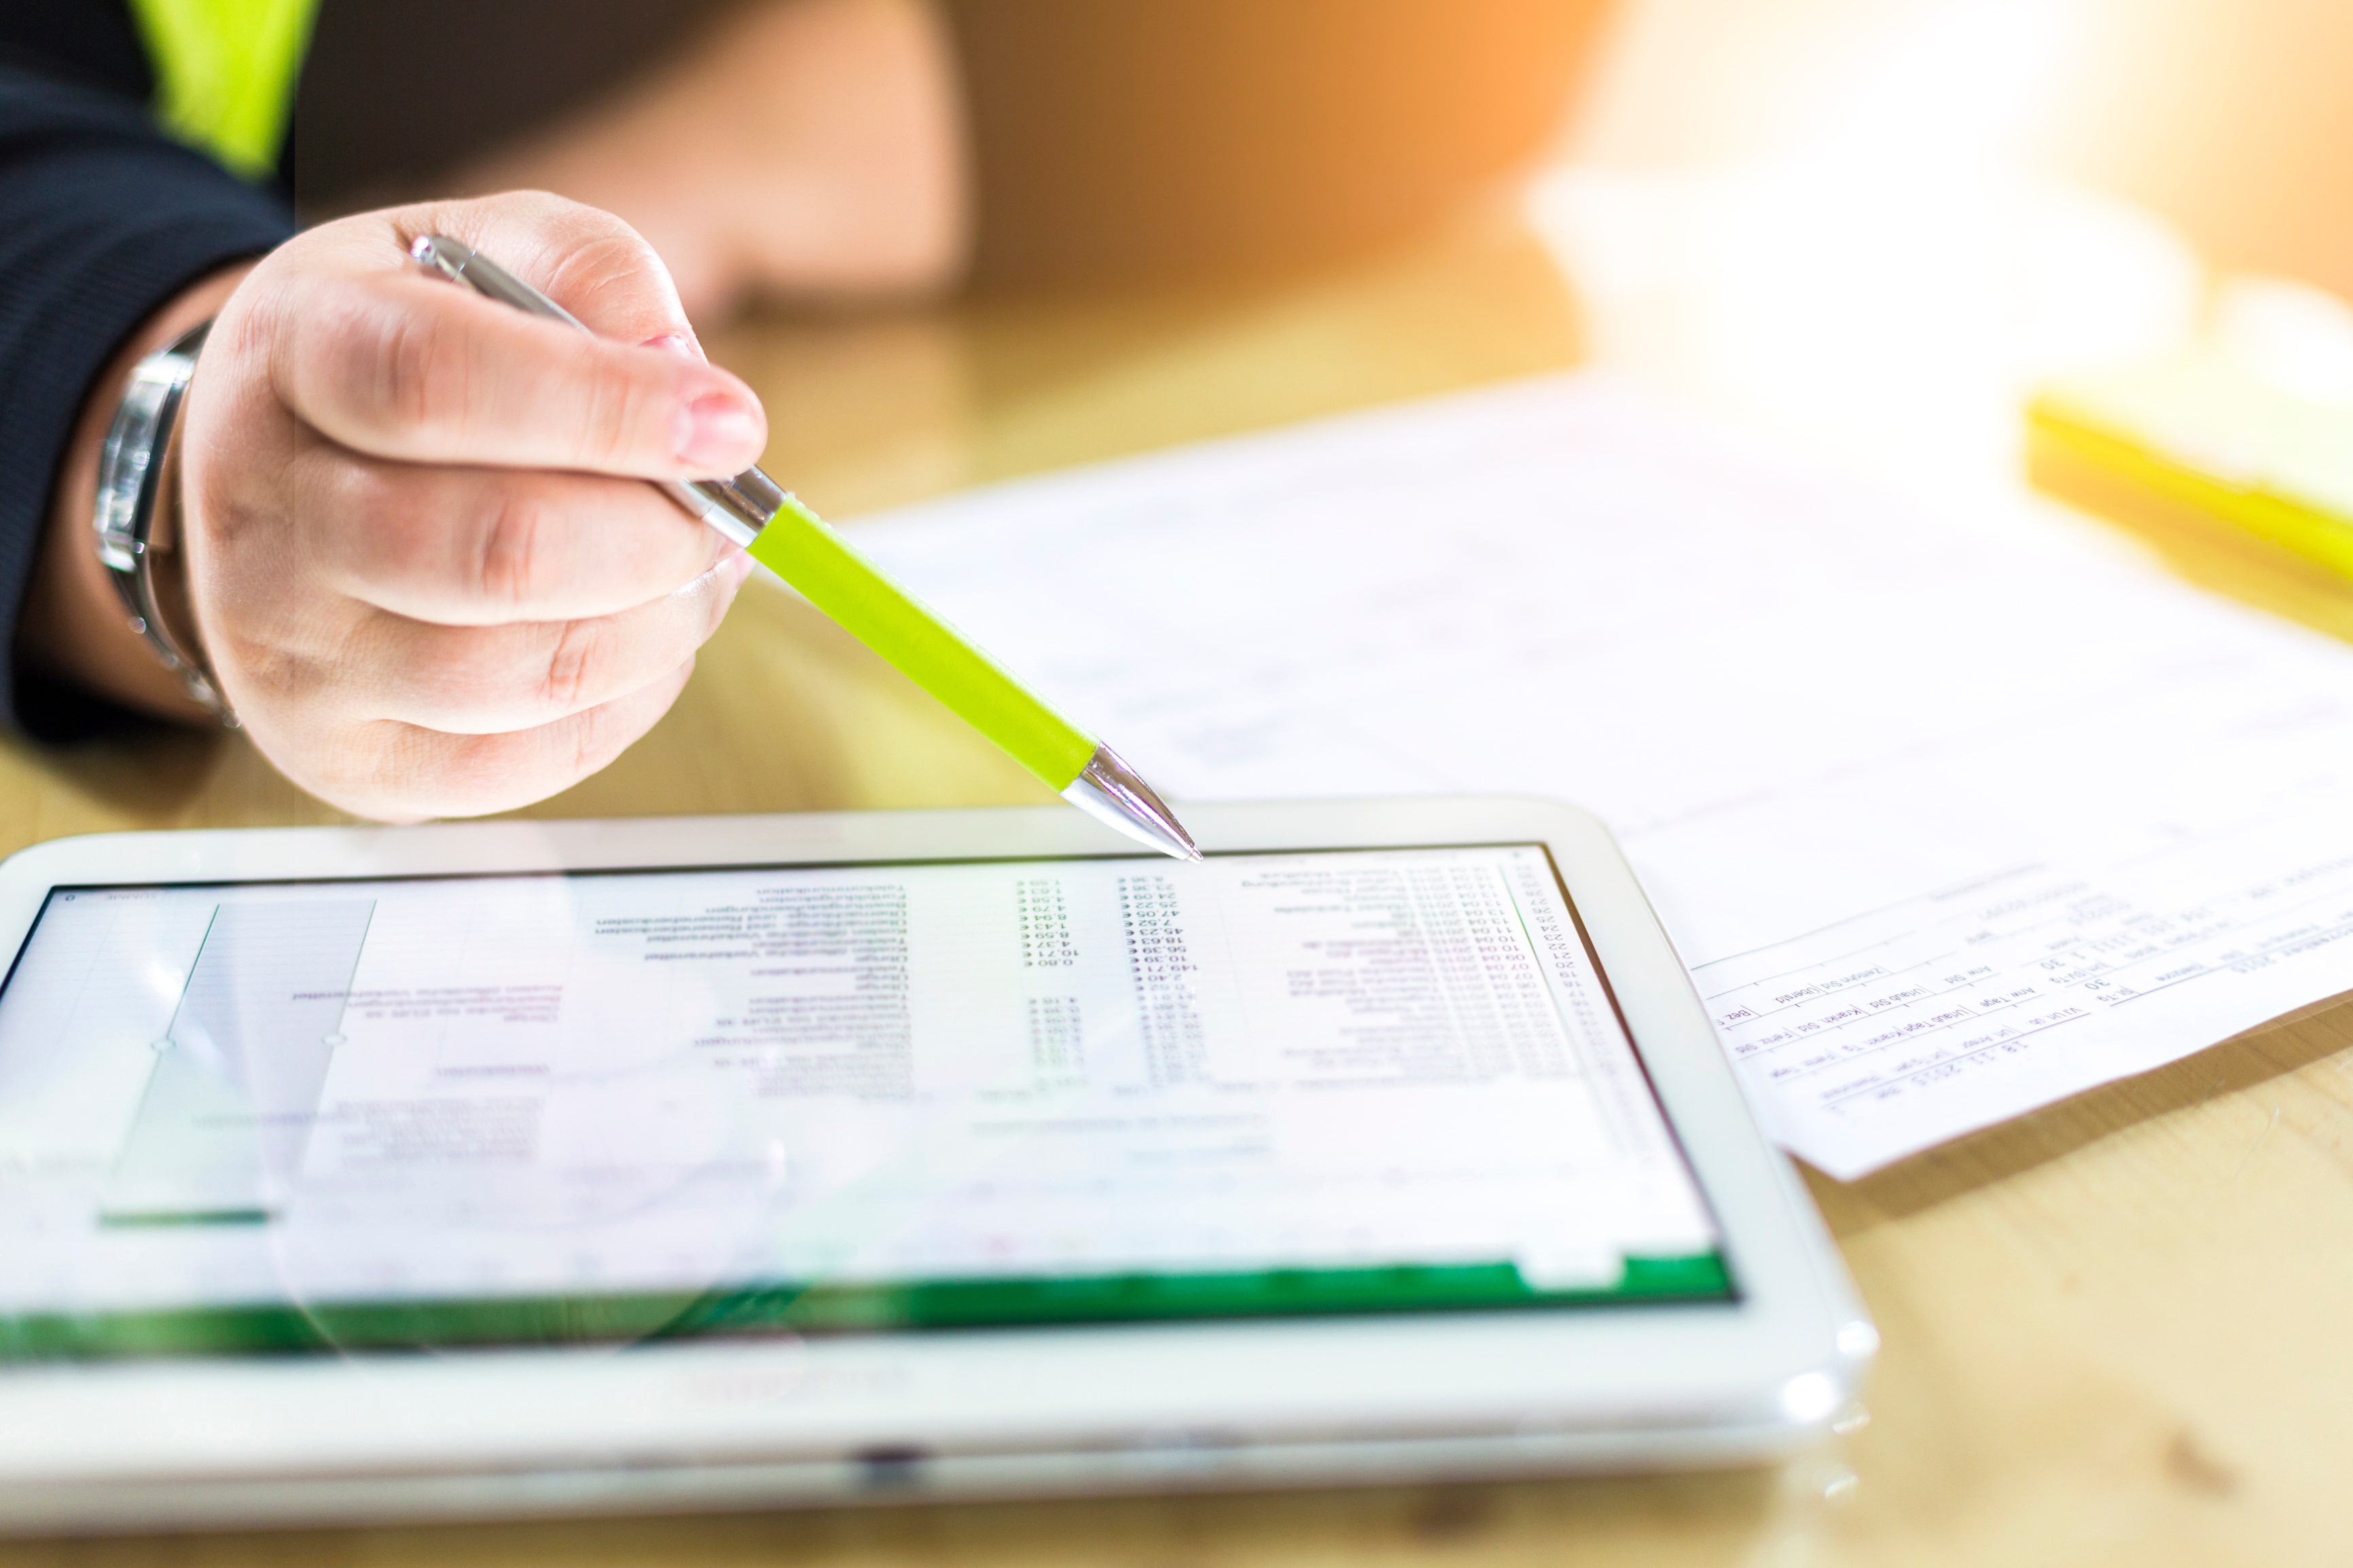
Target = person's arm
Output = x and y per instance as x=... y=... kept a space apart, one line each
x=104 y=225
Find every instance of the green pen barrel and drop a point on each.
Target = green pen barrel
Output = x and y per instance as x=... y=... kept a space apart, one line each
x=803 y=549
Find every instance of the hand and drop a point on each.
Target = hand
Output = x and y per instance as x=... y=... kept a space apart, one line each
x=420 y=558
x=800 y=147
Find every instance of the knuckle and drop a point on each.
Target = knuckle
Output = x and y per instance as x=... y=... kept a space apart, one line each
x=411 y=372
x=365 y=493
x=615 y=405
x=512 y=547
x=219 y=519
x=590 y=741
x=383 y=536
x=267 y=676
x=609 y=261
x=576 y=665
x=374 y=498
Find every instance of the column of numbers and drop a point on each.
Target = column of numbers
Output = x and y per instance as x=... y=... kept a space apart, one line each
x=1044 y=918
x=1162 y=971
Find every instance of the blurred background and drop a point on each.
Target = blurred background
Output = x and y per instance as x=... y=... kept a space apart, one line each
x=1873 y=225
x=1171 y=135
x=2228 y=118
x=1881 y=223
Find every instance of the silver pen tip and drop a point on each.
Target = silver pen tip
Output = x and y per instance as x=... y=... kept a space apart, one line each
x=1111 y=793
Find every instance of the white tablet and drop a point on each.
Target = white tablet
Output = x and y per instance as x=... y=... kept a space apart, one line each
x=728 y=1162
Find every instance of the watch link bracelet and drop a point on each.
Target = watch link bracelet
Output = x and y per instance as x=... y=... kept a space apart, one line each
x=137 y=515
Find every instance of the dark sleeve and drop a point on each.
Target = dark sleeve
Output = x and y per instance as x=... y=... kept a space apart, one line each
x=103 y=219
x=1183 y=137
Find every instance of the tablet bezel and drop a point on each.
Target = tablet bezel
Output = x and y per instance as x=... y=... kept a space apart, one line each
x=1715 y=1380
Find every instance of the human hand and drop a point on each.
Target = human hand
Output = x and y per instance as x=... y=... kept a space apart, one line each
x=420 y=557
x=800 y=147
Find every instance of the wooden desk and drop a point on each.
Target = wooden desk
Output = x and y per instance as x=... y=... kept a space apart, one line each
x=2113 y=1328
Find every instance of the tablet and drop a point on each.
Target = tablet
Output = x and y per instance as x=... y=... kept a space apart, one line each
x=726 y=1162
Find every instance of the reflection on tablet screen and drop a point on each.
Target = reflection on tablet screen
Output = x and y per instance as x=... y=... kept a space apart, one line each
x=606 y=1106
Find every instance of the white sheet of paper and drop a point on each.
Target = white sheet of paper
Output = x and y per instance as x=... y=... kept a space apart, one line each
x=1949 y=823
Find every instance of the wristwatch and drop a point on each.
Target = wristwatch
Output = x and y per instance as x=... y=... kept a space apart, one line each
x=137 y=515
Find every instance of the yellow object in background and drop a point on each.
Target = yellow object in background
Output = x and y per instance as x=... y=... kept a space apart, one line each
x=2229 y=438
x=224 y=73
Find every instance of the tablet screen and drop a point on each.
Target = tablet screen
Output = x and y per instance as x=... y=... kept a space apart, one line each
x=319 y=1115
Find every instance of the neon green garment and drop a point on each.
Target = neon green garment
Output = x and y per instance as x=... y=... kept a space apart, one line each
x=224 y=73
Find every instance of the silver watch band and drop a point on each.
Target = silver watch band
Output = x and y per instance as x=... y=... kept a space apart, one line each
x=130 y=480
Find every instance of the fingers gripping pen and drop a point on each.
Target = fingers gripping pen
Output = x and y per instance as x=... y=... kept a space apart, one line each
x=755 y=513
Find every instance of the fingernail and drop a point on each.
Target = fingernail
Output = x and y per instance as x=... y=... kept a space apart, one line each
x=678 y=343
x=717 y=435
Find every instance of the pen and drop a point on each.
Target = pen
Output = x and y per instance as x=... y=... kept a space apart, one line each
x=753 y=512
